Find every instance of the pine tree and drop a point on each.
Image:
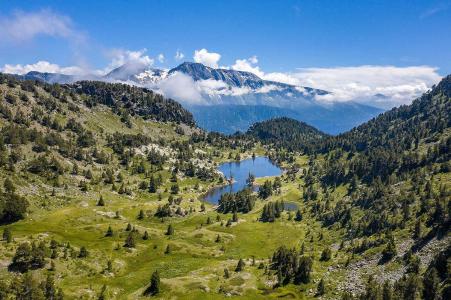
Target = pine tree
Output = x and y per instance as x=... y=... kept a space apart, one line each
x=387 y=291
x=235 y=217
x=175 y=189
x=168 y=249
x=129 y=227
x=431 y=284
x=141 y=215
x=101 y=202
x=417 y=230
x=145 y=236
x=240 y=266
x=154 y=287
x=50 y=290
x=102 y=295
x=326 y=254
x=83 y=252
x=109 y=232
x=153 y=185
x=7 y=235
x=130 y=241
x=298 y=217
x=109 y=266
x=170 y=230
x=390 y=250
x=121 y=189
x=321 y=288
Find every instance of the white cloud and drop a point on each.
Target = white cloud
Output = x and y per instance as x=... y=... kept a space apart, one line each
x=134 y=59
x=209 y=59
x=383 y=86
x=398 y=85
x=248 y=65
x=24 y=26
x=179 y=55
x=268 y=88
x=41 y=66
x=120 y=57
x=160 y=58
x=281 y=77
x=181 y=87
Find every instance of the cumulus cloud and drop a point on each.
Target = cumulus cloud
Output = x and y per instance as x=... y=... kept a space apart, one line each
x=121 y=57
x=160 y=58
x=248 y=65
x=24 y=26
x=384 y=86
x=41 y=66
x=209 y=59
x=179 y=55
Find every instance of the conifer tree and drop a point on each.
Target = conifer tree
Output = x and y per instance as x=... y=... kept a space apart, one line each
x=326 y=254
x=109 y=232
x=431 y=284
x=170 y=230
x=387 y=291
x=235 y=217
x=417 y=230
x=390 y=250
x=101 y=202
x=145 y=236
x=83 y=252
x=154 y=287
x=175 y=189
x=7 y=235
x=153 y=185
x=130 y=241
x=102 y=295
x=321 y=288
x=50 y=290
x=298 y=217
x=240 y=266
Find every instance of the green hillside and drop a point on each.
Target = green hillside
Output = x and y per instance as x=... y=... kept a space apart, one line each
x=102 y=191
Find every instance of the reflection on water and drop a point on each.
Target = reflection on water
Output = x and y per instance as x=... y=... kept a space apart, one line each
x=259 y=167
x=289 y=206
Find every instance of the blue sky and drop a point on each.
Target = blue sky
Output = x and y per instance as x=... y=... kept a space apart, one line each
x=283 y=36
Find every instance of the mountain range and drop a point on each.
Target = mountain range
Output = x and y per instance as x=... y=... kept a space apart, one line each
x=227 y=101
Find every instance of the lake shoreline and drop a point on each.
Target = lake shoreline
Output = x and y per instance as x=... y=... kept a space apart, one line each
x=260 y=167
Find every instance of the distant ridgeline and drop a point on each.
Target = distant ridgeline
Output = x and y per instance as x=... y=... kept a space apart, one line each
x=239 y=98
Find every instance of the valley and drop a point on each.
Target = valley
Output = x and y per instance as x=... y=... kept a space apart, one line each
x=103 y=186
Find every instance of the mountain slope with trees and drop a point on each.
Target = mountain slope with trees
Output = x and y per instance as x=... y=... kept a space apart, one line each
x=102 y=188
x=286 y=133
